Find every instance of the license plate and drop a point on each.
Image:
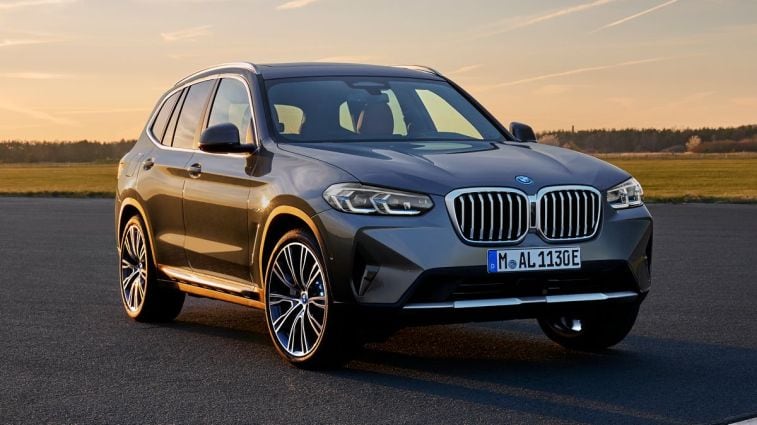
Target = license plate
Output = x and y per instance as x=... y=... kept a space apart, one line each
x=532 y=259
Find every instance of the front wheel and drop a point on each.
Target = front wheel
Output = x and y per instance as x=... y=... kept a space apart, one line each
x=592 y=330
x=302 y=321
x=143 y=298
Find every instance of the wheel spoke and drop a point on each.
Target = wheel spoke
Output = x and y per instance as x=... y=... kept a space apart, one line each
x=282 y=319
x=315 y=272
x=319 y=302
x=317 y=327
x=290 y=266
x=129 y=278
x=303 y=337
x=276 y=299
x=281 y=276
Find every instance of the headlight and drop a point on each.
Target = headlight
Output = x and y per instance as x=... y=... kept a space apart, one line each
x=358 y=199
x=626 y=195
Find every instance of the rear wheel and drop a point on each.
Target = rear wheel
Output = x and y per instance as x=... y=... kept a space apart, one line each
x=304 y=325
x=592 y=330
x=143 y=298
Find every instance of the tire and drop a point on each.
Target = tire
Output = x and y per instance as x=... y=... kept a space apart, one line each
x=143 y=298
x=593 y=330
x=305 y=327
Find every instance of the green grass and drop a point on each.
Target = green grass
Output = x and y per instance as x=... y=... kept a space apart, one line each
x=68 y=180
x=666 y=178
x=696 y=179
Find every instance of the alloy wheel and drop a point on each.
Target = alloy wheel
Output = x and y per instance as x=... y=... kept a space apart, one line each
x=133 y=268
x=297 y=299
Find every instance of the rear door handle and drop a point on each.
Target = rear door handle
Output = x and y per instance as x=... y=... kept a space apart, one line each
x=195 y=170
x=148 y=163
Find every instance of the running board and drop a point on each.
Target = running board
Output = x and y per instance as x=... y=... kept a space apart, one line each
x=511 y=302
x=212 y=287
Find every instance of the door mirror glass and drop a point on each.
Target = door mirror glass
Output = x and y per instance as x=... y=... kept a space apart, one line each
x=223 y=138
x=523 y=132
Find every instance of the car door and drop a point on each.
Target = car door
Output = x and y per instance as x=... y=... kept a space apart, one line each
x=216 y=195
x=164 y=171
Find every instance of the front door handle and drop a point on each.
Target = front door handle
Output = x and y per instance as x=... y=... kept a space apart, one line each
x=148 y=163
x=194 y=170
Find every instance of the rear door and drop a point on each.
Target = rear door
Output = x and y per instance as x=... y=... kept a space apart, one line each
x=164 y=170
x=216 y=196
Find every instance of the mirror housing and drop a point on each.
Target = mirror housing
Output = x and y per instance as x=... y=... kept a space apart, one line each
x=224 y=138
x=522 y=132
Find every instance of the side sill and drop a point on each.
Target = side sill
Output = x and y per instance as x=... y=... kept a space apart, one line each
x=211 y=287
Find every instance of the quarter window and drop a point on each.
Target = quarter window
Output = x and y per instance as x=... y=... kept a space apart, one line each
x=232 y=105
x=161 y=121
x=191 y=114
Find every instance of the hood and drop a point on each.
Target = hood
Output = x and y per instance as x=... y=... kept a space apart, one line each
x=440 y=167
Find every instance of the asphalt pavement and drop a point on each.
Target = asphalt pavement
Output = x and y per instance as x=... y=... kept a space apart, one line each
x=68 y=354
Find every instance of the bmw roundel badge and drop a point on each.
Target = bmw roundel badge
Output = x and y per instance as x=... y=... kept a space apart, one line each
x=524 y=180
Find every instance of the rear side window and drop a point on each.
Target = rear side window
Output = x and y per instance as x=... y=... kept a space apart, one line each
x=161 y=121
x=191 y=114
x=232 y=105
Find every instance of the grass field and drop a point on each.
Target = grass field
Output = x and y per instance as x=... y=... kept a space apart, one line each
x=79 y=180
x=668 y=178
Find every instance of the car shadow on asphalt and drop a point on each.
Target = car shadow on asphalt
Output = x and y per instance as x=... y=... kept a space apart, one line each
x=644 y=380
x=512 y=366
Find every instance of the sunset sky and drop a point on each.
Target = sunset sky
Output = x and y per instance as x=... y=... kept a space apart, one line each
x=76 y=69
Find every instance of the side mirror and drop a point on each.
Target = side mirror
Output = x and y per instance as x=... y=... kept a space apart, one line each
x=223 y=138
x=523 y=132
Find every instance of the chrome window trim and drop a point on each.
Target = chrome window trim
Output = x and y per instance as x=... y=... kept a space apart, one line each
x=421 y=68
x=549 y=189
x=153 y=117
x=245 y=65
x=449 y=200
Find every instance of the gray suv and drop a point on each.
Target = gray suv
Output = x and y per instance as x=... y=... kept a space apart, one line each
x=348 y=200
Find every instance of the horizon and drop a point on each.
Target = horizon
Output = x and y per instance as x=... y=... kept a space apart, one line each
x=72 y=70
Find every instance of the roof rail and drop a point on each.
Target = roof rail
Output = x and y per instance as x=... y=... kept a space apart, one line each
x=420 y=68
x=246 y=65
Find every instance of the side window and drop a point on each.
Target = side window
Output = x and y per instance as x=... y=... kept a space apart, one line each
x=290 y=118
x=445 y=117
x=161 y=121
x=191 y=114
x=232 y=105
x=171 y=130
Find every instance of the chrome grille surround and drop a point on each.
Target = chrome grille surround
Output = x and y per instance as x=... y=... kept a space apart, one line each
x=472 y=208
x=568 y=213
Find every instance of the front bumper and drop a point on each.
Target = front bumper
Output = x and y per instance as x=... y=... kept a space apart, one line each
x=420 y=263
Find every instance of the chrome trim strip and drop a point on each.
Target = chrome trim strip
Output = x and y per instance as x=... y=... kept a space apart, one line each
x=245 y=65
x=596 y=214
x=421 y=68
x=449 y=200
x=515 y=301
x=207 y=281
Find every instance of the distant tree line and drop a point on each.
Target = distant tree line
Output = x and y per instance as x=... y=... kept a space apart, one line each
x=702 y=140
x=81 y=151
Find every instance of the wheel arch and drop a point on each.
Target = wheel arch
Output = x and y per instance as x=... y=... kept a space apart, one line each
x=129 y=208
x=281 y=220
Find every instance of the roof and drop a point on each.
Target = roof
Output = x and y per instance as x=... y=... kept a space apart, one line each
x=316 y=69
x=322 y=69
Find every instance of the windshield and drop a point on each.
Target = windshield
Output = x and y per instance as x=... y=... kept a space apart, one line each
x=342 y=109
